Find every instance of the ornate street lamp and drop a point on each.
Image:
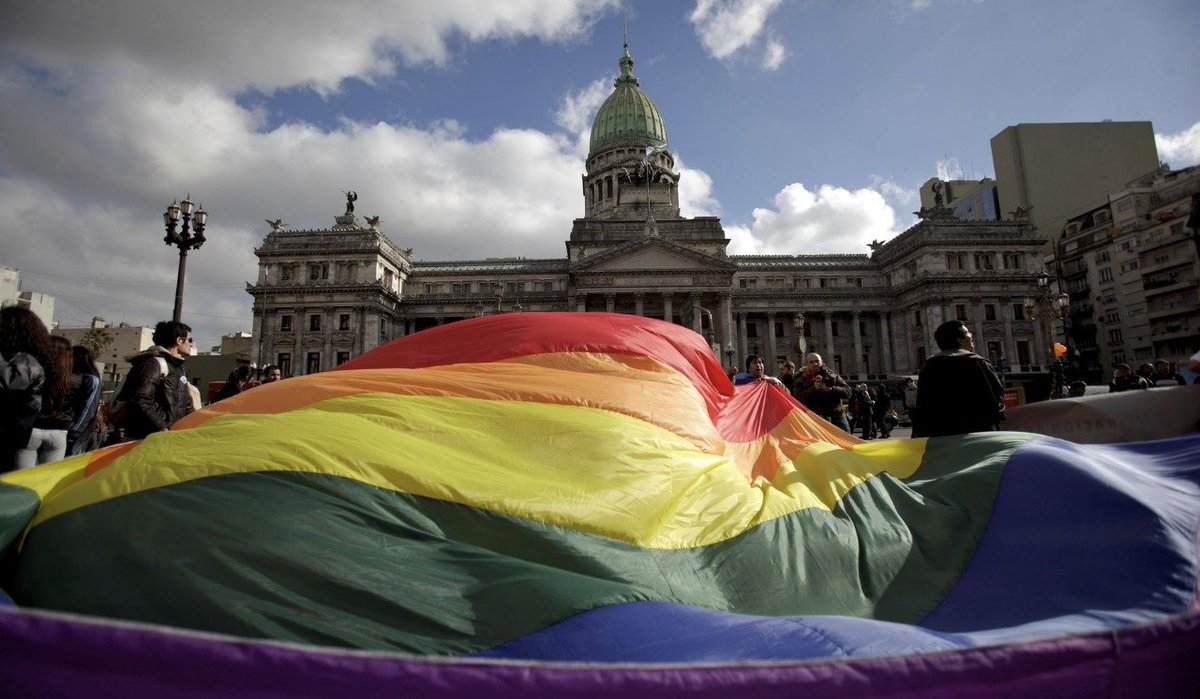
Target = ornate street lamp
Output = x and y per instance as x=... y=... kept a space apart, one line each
x=185 y=229
x=798 y=342
x=1045 y=307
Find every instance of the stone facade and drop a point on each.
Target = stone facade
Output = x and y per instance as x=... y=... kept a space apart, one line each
x=324 y=296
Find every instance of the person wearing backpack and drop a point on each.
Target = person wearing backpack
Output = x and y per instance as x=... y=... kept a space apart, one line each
x=155 y=398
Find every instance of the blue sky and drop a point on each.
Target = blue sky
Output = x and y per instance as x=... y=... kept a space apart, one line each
x=808 y=126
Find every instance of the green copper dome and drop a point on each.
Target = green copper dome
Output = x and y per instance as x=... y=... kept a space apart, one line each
x=627 y=117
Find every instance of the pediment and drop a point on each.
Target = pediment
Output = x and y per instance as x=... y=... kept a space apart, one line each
x=652 y=254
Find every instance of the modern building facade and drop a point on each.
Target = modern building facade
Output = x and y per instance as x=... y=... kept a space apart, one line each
x=1131 y=269
x=326 y=295
x=1055 y=171
x=125 y=341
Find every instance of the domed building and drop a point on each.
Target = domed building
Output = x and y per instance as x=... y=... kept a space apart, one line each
x=326 y=295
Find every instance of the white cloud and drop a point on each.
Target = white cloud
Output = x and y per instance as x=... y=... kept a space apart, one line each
x=829 y=220
x=906 y=197
x=271 y=44
x=109 y=117
x=949 y=169
x=575 y=112
x=728 y=26
x=695 y=191
x=774 y=55
x=1180 y=149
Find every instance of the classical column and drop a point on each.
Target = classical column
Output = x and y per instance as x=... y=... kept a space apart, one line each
x=743 y=341
x=668 y=311
x=978 y=331
x=360 y=321
x=581 y=303
x=769 y=358
x=1039 y=341
x=694 y=322
x=300 y=326
x=638 y=303
x=931 y=347
x=610 y=302
x=885 y=336
x=827 y=350
x=726 y=321
x=856 y=328
x=1010 y=346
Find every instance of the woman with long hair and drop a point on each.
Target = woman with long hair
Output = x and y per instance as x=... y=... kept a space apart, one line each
x=85 y=400
x=24 y=345
x=48 y=439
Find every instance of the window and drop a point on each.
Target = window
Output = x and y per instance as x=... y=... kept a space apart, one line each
x=1126 y=246
x=1112 y=317
x=1106 y=274
x=1018 y=313
x=778 y=329
x=285 y=323
x=828 y=282
x=994 y=354
x=983 y=260
x=1129 y=267
x=461 y=287
x=343 y=357
x=775 y=282
x=801 y=282
x=1101 y=217
x=917 y=318
x=1023 y=355
x=314 y=322
x=285 y=273
x=1102 y=256
x=1125 y=206
x=1176 y=229
x=284 y=361
x=513 y=287
x=956 y=260
x=343 y=323
x=1114 y=335
x=313 y=365
x=989 y=311
x=389 y=279
x=748 y=283
x=856 y=281
x=960 y=311
x=318 y=272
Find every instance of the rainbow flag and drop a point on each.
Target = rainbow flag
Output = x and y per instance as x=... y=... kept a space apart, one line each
x=540 y=504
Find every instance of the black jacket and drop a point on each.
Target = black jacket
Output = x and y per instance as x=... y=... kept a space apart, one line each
x=155 y=401
x=21 y=381
x=821 y=402
x=957 y=392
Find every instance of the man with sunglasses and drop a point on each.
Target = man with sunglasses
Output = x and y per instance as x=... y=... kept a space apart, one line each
x=156 y=392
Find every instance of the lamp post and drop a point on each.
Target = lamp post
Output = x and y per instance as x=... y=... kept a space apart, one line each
x=729 y=352
x=1045 y=307
x=185 y=229
x=799 y=343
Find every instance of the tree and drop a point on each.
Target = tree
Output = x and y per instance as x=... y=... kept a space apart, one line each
x=97 y=340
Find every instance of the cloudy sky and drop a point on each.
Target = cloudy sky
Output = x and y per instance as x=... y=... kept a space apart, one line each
x=807 y=125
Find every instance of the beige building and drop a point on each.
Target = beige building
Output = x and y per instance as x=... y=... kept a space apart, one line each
x=1055 y=171
x=326 y=295
x=42 y=305
x=127 y=340
x=1132 y=273
x=970 y=200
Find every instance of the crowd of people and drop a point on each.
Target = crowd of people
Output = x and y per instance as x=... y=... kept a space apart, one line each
x=957 y=391
x=51 y=403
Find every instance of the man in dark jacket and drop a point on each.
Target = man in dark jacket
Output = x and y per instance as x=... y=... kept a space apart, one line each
x=822 y=391
x=958 y=391
x=156 y=399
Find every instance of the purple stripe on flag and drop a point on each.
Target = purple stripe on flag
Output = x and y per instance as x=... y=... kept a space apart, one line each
x=55 y=655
